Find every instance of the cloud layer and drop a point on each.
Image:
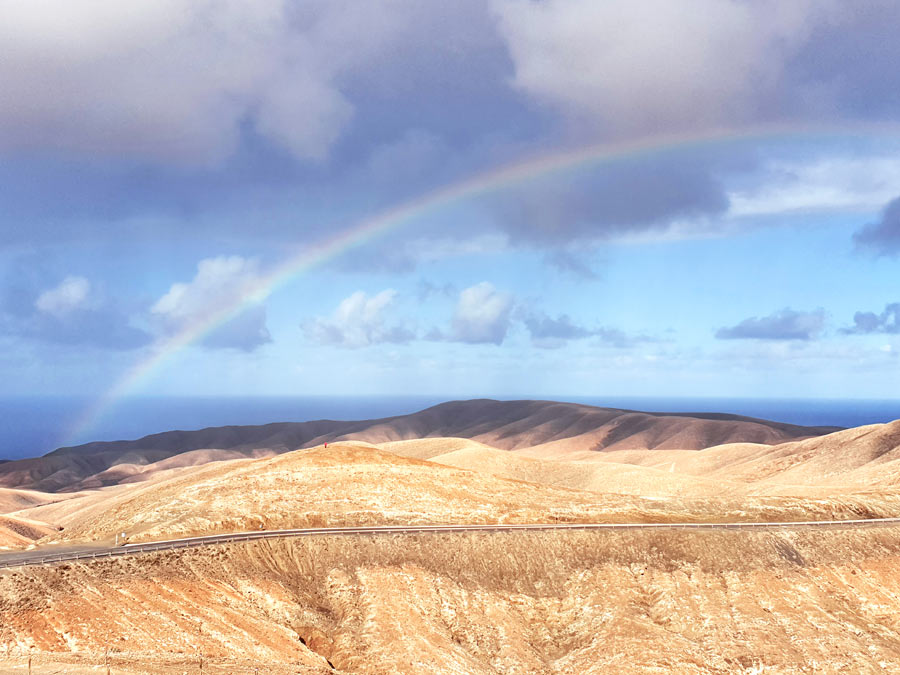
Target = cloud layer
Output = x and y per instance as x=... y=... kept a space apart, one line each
x=549 y=333
x=70 y=312
x=657 y=66
x=883 y=236
x=179 y=79
x=887 y=321
x=786 y=324
x=631 y=195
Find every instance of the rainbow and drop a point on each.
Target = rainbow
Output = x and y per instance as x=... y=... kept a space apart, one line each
x=374 y=226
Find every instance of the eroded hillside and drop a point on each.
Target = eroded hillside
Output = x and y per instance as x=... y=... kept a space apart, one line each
x=623 y=602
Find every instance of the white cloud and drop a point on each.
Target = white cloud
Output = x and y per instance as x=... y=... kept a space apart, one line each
x=174 y=80
x=72 y=293
x=72 y=313
x=825 y=184
x=482 y=315
x=654 y=65
x=358 y=321
x=219 y=283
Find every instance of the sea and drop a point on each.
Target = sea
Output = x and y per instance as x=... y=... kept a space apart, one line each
x=33 y=426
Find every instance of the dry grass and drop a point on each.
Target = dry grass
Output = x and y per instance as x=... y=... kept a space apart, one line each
x=637 y=601
x=354 y=484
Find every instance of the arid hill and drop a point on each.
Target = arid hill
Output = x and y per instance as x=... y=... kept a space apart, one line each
x=633 y=601
x=350 y=484
x=862 y=458
x=548 y=428
x=14 y=500
x=691 y=601
x=847 y=474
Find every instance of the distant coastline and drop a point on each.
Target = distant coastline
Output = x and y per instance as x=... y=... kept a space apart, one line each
x=33 y=426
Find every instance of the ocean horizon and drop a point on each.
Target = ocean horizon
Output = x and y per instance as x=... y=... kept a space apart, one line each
x=33 y=426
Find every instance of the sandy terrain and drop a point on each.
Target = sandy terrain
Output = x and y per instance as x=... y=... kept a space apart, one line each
x=16 y=532
x=576 y=602
x=14 y=500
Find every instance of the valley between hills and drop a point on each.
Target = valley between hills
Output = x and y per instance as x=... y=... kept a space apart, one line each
x=686 y=601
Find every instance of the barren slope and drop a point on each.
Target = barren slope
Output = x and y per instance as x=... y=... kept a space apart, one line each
x=578 y=603
x=595 y=476
x=558 y=428
x=13 y=500
x=17 y=532
x=863 y=458
x=353 y=484
x=345 y=484
x=600 y=602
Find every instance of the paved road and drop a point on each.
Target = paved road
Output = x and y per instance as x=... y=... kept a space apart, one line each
x=49 y=557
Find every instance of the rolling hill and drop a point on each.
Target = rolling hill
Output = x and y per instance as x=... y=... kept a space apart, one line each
x=546 y=428
x=630 y=601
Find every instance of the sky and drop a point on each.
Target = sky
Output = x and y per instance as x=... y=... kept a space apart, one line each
x=469 y=198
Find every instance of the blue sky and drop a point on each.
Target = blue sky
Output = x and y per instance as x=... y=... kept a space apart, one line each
x=158 y=159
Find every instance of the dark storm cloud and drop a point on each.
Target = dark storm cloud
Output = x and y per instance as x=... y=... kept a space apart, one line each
x=202 y=149
x=786 y=324
x=846 y=66
x=622 y=197
x=882 y=236
x=887 y=321
x=204 y=141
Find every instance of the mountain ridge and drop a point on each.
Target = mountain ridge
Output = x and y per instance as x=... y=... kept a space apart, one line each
x=507 y=425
